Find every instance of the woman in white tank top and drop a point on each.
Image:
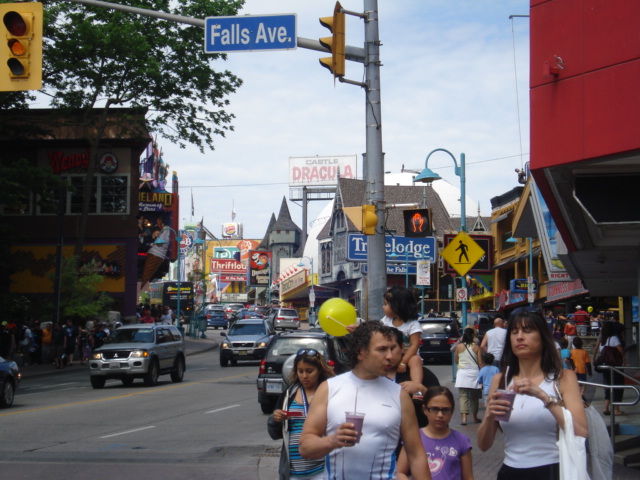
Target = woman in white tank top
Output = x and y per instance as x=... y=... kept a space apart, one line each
x=533 y=365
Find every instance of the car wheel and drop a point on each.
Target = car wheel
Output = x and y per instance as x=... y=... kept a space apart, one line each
x=151 y=377
x=97 y=382
x=224 y=362
x=127 y=382
x=8 y=391
x=178 y=372
x=268 y=407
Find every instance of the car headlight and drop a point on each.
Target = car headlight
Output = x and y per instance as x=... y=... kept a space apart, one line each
x=139 y=354
x=96 y=356
x=226 y=345
x=261 y=345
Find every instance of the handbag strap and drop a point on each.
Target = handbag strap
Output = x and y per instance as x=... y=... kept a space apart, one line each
x=556 y=388
x=471 y=355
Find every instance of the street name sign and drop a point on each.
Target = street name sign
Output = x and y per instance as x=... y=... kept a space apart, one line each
x=462 y=253
x=249 y=33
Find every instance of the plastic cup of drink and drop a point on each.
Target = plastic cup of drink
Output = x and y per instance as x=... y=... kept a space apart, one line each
x=510 y=396
x=357 y=419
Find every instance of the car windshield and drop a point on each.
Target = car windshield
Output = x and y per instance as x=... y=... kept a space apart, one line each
x=132 y=335
x=430 y=328
x=248 y=329
x=289 y=346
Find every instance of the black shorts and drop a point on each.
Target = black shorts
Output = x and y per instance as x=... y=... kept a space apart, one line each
x=547 y=472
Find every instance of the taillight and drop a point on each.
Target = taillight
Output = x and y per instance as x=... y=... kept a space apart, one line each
x=332 y=364
x=263 y=367
x=451 y=341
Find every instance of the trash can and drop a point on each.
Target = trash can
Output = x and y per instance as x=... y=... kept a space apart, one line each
x=313 y=320
x=202 y=326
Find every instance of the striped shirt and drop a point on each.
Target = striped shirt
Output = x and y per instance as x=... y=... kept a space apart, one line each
x=300 y=467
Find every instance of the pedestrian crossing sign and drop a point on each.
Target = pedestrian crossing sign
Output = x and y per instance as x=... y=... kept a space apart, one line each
x=462 y=253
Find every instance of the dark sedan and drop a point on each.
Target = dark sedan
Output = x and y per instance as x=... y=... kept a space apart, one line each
x=246 y=340
x=9 y=381
x=438 y=336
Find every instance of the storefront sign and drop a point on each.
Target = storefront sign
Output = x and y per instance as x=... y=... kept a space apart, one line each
x=560 y=290
x=294 y=282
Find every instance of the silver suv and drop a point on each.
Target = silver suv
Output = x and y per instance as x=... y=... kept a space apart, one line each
x=143 y=351
x=284 y=318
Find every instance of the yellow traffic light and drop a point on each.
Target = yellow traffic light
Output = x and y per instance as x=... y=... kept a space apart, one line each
x=336 y=43
x=369 y=219
x=21 y=46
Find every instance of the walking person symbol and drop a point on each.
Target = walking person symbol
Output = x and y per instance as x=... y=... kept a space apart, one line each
x=463 y=252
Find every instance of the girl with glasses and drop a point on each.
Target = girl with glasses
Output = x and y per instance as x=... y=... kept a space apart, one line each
x=448 y=451
x=309 y=370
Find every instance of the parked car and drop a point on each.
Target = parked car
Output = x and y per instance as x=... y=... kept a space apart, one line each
x=438 y=335
x=481 y=321
x=9 y=382
x=216 y=317
x=143 y=351
x=284 y=318
x=270 y=381
x=260 y=310
x=246 y=340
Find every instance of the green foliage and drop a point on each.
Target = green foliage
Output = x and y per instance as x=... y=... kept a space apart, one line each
x=96 y=57
x=79 y=296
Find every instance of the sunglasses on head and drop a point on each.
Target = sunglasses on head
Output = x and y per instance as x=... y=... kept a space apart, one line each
x=521 y=310
x=436 y=410
x=307 y=351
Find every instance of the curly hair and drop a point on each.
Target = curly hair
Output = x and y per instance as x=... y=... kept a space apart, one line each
x=318 y=361
x=403 y=303
x=361 y=338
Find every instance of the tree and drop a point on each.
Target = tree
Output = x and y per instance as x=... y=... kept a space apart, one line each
x=79 y=298
x=101 y=58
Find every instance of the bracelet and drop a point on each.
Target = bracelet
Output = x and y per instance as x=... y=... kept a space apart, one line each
x=551 y=401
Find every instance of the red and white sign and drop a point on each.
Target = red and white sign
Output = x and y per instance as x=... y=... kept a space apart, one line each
x=321 y=170
x=461 y=294
x=228 y=266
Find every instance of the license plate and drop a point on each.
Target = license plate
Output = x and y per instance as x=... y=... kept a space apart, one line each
x=434 y=342
x=274 y=388
x=242 y=352
x=113 y=365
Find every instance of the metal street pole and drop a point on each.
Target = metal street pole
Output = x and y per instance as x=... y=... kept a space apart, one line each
x=374 y=169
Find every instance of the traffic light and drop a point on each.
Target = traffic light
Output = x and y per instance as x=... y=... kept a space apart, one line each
x=364 y=218
x=369 y=219
x=336 y=43
x=417 y=222
x=21 y=46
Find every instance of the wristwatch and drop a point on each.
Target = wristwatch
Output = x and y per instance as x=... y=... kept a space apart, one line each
x=551 y=401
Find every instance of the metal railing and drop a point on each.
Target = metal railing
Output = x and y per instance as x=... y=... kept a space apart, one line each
x=611 y=389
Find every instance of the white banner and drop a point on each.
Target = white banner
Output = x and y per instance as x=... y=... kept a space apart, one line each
x=423 y=273
x=321 y=170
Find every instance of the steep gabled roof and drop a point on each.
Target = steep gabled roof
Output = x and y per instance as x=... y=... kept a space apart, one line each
x=284 y=221
x=264 y=244
x=352 y=194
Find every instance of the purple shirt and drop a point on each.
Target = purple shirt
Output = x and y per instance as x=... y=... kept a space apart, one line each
x=444 y=454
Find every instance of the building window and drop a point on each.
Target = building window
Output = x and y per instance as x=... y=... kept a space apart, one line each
x=326 y=259
x=109 y=195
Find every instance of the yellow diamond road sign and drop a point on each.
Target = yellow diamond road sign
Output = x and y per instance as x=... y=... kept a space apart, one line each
x=462 y=253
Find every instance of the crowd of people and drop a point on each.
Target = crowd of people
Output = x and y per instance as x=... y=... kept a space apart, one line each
x=58 y=344
x=382 y=419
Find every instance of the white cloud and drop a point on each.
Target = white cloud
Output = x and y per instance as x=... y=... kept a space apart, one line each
x=447 y=82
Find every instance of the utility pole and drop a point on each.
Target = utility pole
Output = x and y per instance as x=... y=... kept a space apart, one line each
x=376 y=254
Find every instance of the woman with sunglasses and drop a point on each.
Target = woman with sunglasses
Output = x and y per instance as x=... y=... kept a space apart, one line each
x=534 y=370
x=448 y=451
x=309 y=370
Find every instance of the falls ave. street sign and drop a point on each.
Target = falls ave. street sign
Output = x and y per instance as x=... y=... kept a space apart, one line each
x=250 y=33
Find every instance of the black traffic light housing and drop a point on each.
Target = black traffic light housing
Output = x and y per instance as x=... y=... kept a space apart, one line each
x=417 y=222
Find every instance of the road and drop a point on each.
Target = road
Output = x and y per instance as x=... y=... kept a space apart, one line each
x=206 y=427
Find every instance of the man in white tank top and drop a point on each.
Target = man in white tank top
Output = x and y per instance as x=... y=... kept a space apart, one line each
x=389 y=415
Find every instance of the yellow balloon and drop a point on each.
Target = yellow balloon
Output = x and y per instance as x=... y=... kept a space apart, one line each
x=334 y=316
x=589 y=309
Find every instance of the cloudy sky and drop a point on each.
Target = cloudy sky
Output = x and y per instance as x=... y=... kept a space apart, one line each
x=454 y=76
